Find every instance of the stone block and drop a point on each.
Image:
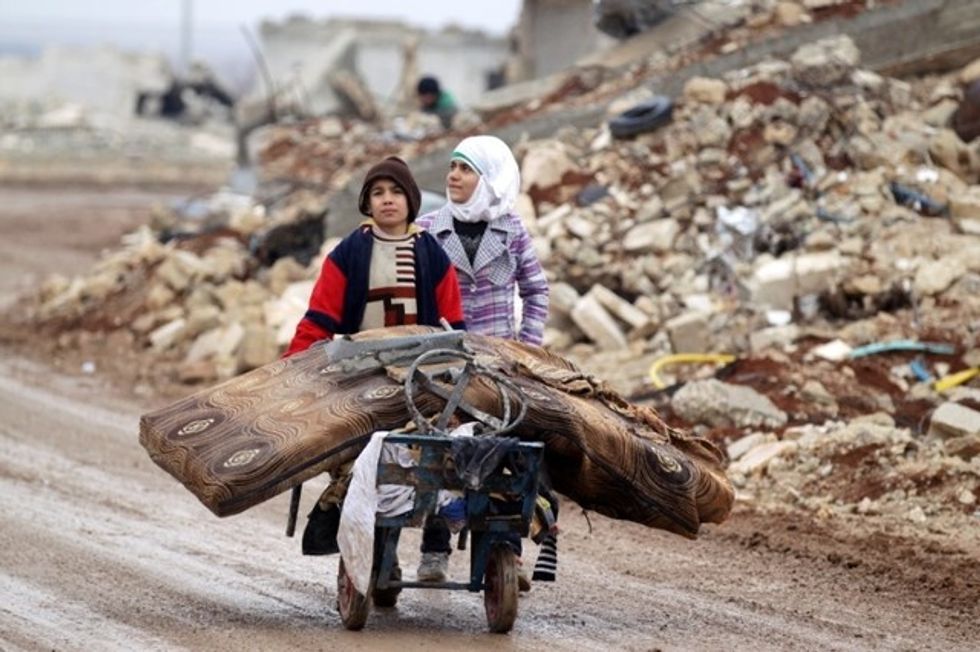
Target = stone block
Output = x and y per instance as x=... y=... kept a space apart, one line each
x=689 y=333
x=777 y=282
x=167 y=335
x=654 y=236
x=717 y=404
x=705 y=91
x=619 y=307
x=597 y=324
x=954 y=420
x=757 y=459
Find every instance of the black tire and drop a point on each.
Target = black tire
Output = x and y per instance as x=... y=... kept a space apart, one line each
x=643 y=117
x=351 y=604
x=500 y=592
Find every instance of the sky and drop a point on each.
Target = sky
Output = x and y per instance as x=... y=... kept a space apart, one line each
x=27 y=25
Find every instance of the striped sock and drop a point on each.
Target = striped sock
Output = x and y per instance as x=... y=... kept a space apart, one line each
x=546 y=567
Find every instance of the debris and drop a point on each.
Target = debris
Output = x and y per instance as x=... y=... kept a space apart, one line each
x=597 y=324
x=953 y=380
x=685 y=358
x=937 y=348
x=647 y=116
x=689 y=332
x=954 y=420
x=719 y=404
x=917 y=201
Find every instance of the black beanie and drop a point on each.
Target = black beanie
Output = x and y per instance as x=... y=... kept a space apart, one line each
x=428 y=86
x=397 y=170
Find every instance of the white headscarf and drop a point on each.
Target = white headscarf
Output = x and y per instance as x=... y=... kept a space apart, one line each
x=500 y=179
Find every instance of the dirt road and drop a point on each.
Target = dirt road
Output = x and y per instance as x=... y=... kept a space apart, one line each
x=100 y=549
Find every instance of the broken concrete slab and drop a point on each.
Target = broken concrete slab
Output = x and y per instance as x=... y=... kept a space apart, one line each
x=689 y=333
x=714 y=403
x=757 y=459
x=619 y=307
x=954 y=420
x=597 y=324
x=777 y=282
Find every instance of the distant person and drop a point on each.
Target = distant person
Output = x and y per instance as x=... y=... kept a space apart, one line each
x=433 y=99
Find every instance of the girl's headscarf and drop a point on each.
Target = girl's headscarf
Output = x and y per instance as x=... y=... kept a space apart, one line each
x=500 y=179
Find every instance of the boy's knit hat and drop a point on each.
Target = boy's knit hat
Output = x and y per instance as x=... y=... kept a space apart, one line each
x=397 y=170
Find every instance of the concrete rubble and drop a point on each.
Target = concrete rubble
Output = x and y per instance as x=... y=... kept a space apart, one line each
x=790 y=213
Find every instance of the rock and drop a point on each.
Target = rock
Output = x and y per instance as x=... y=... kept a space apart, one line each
x=759 y=457
x=524 y=206
x=966 y=446
x=813 y=390
x=705 y=91
x=159 y=296
x=656 y=236
x=597 y=324
x=710 y=129
x=966 y=497
x=198 y=371
x=964 y=210
x=544 y=165
x=283 y=272
x=224 y=262
x=941 y=114
x=619 y=307
x=937 y=275
x=779 y=133
x=283 y=314
x=689 y=333
x=652 y=209
x=562 y=298
x=180 y=269
x=777 y=282
x=740 y=447
x=714 y=403
x=949 y=151
x=580 y=227
x=258 y=347
x=970 y=73
x=216 y=343
x=202 y=318
x=954 y=420
x=917 y=515
x=825 y=62
x=875 y=418
x=790 y=14
x=167 y=335
x=774 y=337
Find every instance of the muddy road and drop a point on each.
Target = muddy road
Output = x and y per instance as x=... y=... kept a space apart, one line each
x=100 y=549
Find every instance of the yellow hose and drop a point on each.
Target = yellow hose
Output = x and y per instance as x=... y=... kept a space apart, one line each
x=685 y=358
x=952 y=380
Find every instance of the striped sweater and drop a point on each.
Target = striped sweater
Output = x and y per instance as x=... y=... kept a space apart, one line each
x=505 y=260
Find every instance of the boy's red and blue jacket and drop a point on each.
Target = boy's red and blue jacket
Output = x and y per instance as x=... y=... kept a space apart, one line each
x=340 y=293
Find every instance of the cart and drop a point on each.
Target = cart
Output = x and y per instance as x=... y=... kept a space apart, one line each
x=500 y=502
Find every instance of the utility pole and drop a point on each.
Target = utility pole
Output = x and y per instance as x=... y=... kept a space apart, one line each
x=186 y=25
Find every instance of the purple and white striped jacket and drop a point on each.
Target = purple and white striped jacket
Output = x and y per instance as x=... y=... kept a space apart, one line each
x=505 y=260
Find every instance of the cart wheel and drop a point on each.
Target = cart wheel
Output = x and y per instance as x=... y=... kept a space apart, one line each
x=352 y=605
x=500 y=594
x=388 y=597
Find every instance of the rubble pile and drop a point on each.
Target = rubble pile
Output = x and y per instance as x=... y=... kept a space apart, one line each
x=204 y=305
x=867 y=467
x=786 y=192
